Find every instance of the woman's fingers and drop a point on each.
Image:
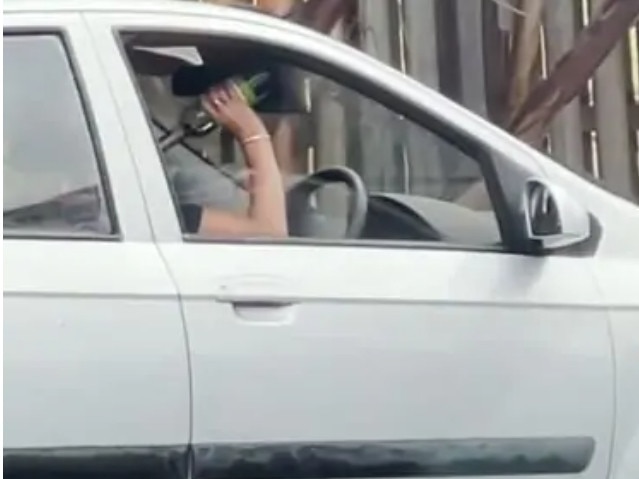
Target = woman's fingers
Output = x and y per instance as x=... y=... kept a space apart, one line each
x=214 y=108
x=210 y=104
x=223 y=95
x=228 y=107
x=237 y=92
x=217 y=97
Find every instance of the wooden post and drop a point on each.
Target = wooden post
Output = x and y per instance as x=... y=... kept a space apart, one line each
x=379 y=167
x=560 y=20
x=422 y=63
x=329 y=117
x=526 y=64
x=612 y=116
x=498 y=30
x=471 y=47
x=331 y=130
x=462 y=172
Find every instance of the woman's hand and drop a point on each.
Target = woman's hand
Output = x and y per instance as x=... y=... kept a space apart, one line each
x=227 y=106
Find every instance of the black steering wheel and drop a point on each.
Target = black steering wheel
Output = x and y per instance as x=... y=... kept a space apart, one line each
x=299 y=209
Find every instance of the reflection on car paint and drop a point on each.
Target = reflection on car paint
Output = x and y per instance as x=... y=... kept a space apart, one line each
x=432 y=458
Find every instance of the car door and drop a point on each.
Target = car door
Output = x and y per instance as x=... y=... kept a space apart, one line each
x=95 y=360
x=378 y=358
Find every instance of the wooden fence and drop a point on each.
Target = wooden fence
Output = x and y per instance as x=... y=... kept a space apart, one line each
x=458 y=47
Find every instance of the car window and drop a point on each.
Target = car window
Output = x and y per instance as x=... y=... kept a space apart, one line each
x=416 y=180
x=52 y=183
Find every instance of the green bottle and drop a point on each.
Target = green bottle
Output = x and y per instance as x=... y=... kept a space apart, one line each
x=250 y=88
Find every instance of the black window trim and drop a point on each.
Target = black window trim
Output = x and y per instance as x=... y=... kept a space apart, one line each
x=486 y=159
x=115 y=235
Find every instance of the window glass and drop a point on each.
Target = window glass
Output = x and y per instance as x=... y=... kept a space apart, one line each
x=51 y=182
x=416 y=182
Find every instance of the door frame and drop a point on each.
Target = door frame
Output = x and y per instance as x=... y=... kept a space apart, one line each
x=76 y=273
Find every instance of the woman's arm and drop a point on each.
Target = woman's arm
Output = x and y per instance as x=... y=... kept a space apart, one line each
x=266 y=215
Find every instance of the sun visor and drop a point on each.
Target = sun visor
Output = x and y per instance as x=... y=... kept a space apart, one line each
x=279 y=89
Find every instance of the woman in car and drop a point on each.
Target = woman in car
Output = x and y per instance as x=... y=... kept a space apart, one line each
x=266 y=215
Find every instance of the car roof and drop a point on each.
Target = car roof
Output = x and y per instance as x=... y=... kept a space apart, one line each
x=231 y=10
x=131 y=6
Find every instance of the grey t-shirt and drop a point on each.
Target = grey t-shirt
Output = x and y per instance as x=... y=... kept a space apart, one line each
x=194 y=182
x=197 y=185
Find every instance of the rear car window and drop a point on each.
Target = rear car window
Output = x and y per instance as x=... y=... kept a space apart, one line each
x=52 y=180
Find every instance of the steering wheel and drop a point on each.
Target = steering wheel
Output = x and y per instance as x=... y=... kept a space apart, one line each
x=299 y=209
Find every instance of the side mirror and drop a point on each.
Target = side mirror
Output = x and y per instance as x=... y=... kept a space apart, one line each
x=552 y=217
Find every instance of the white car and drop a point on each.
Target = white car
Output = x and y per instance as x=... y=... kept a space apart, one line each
x=403 y=330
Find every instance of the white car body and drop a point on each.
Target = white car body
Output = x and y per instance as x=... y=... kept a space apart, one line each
x=167 y=358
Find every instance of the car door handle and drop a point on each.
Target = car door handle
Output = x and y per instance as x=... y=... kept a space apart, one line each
x=258 y=298
x=264 y=312
x=257 y=303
